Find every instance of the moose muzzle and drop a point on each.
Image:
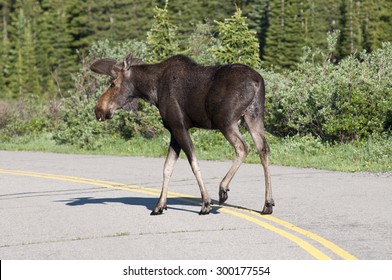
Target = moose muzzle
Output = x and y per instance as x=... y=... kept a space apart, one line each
x=104 y=109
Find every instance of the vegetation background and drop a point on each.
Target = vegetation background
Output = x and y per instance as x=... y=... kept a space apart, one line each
x=327 y=65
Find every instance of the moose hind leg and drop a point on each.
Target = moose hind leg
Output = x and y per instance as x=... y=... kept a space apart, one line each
x=234 y=137
x=256 y=130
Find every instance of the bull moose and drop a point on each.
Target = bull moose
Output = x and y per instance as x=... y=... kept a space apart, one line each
x=189 y=95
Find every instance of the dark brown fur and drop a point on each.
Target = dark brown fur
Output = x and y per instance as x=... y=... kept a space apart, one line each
x=190 y=95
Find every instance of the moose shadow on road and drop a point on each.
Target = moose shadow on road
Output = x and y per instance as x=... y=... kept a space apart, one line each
x=174 y=203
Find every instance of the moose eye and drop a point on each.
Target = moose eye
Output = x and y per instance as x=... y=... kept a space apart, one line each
x=112 y=85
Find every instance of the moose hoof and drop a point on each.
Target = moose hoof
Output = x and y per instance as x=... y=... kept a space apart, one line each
x=158 y=211
x=223 y=196
x=267 y=210
x=206 y=207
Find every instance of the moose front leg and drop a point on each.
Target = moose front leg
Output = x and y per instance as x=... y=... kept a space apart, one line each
x=171 y=158
x=184 y=140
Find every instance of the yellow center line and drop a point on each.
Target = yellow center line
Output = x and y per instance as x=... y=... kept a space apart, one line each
x=326 y=243
x=254 y=216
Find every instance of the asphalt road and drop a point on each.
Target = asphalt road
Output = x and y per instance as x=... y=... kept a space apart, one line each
x=55 y=206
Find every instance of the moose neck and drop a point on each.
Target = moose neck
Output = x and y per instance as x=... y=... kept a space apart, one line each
x=145 y=80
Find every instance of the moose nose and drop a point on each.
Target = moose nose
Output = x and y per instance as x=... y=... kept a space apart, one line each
x=103 y=115
x=99 y=115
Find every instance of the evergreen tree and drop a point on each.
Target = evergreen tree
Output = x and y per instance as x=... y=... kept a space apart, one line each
x=274 y=45
x=4 y=47
x=130 y=19
x=54 y=52
x=376 y=23
x=238 y=43
x=320 y=17
x=187 y=14
x=161 y=39
x=384 y=19
x=366 y=24
x=3 y=54
x=352 y=37
x=295 y=32
x=259 y=20
x=80 y=24
x=285 y=35
x=113 y=20
x=24 y=78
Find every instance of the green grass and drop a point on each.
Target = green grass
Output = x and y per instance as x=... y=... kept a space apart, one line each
x=373 y=155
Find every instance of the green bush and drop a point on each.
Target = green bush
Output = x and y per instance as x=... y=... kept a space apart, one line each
x=199 y=44
x=78 y=125
x=118 y=51
x=24 y=118
x=343 y=102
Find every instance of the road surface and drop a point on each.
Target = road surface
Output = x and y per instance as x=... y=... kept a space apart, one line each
x=56 y=206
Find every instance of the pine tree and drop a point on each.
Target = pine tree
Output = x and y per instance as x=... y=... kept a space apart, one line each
x=352 y=37
x=276 y=52
x=54 y=50
x=161 y=39
x=184 y=14
x=81 y=24
x=376 y=23
x=366 y=24
x=295 y=32
x=320 y=17
x=3 y=54
x=187 y=14
x=384 y=19
x=217 y=9
x=259 y=20
x=130 y=19
x=4 y=48
x=238 y=43
x=24 y=79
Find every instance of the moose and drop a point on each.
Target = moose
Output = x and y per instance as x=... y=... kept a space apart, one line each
x=188 y=95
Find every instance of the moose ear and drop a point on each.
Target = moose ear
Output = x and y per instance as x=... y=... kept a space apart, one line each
x=107 y=66
x=128 y=61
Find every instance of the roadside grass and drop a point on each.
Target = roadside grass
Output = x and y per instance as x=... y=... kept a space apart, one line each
x=373 y=155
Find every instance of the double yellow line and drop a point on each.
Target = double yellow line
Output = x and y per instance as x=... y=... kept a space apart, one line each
x=278 y=226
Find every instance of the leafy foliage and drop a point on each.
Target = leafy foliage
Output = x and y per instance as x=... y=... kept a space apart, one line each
x=347 y=101
x=23 y=120
x=323 y=96
x=200 y=43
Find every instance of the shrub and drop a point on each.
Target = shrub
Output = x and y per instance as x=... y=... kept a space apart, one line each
x=343 y=102
x=5 y=114
x=78 y=125
x=200 y=43
x=24 y=118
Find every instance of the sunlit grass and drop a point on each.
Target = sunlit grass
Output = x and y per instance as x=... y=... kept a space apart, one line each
x=373 y=155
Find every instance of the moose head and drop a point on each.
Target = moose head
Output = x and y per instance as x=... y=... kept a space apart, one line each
x=121 y=90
